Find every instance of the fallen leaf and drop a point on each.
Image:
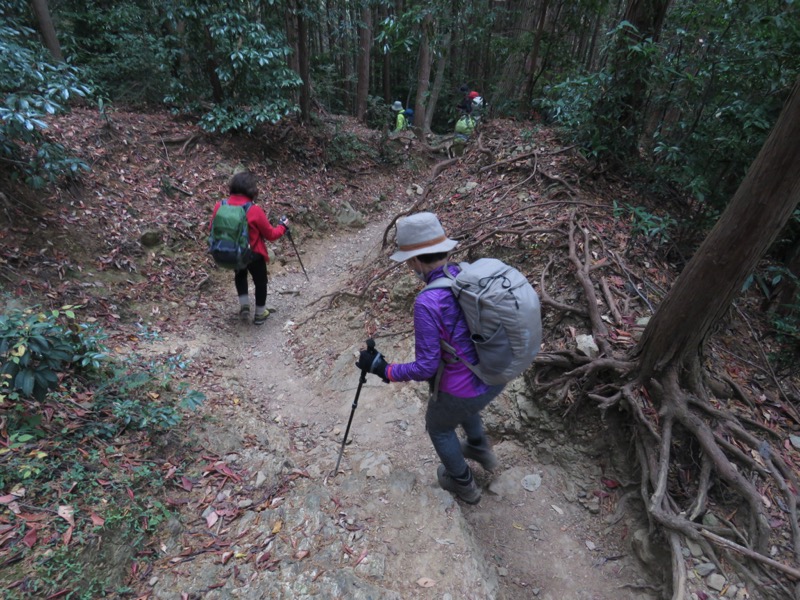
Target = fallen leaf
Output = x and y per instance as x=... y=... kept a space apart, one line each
x=212 y=518
x=30 y=538
x=301 y=554
x=67 y=537
x=97 y=520
x=425 y=582
x=277 y=527
x=226 y=556
x=609 y=483
x=186 y=484
x=557 y=509
x=67 y=513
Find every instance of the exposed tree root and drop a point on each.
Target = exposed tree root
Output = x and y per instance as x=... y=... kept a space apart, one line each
x=677 y=413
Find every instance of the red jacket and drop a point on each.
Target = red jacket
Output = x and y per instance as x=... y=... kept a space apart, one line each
x=257 y=225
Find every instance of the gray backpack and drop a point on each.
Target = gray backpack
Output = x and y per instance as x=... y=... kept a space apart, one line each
x=503 y=315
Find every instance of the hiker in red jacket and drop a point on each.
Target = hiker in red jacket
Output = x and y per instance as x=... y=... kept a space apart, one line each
x=243 y=189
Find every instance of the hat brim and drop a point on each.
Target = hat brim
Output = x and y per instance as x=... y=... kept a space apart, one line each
x=404 y=255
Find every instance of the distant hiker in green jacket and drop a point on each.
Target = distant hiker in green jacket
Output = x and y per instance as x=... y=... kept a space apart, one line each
x=400 y=122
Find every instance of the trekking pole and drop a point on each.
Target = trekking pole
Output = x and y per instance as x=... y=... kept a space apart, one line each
x=289 y=235
x=361 y=381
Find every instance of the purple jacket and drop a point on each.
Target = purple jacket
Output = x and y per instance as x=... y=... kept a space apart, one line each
x=437 y=315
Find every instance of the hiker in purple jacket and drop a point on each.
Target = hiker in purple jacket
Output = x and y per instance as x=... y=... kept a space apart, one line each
x=423 y=245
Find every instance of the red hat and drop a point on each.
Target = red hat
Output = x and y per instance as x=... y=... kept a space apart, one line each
x=473 y=95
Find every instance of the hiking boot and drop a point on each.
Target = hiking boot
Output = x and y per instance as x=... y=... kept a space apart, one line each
x=244 y=313
x=481 y=453
x=469 y=493
x=261 y=319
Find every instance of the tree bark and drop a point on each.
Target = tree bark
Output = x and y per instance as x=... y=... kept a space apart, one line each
x=211 y=69
x=438 y=81
x=424 y=66
x=364 y=49
x=48 y=31
x=705 y=289
x=647 y=16
x=290 y=19
x=533 y=59
x=305 y=71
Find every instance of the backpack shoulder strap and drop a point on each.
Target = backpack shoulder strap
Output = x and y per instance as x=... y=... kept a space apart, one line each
x=247 y=206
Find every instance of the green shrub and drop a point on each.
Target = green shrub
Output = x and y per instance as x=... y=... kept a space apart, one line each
x=36 y=347
x=33 y=87
x=652 y=227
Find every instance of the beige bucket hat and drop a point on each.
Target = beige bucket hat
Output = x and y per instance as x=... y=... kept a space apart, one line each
x=421 y=233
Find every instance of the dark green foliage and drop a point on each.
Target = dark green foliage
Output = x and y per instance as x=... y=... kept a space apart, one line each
x=121 y=47
x=32 y=87
x=233 y=58
x=37 y=347
x=712 y=87
x=654 y=228
x=226 y=63
x=51 y=354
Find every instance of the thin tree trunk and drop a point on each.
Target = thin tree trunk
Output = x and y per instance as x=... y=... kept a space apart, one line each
x=364 y=49
x=533 y=58
x=290 y=20
x=438 y=81
x=48 y=31
x=211 y=69
x=756 y=214
x=305 y=71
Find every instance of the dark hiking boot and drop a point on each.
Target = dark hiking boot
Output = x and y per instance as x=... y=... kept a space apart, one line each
x=261 y=318
x=469 y=493
x=481 y=453
x=244 y=313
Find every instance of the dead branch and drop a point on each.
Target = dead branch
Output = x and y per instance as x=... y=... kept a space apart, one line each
x=513 y=159
x=610 y=301
x=583 y=268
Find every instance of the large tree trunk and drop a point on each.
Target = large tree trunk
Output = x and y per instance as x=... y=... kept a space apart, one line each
x=704 y=291
x=424 y=66
x=364 y=49
x=42 y=10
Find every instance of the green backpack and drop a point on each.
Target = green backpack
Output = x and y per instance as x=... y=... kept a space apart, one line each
x=465 y=125
x=229 y=242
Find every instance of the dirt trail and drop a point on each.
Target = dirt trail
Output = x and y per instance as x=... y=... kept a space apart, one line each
x=382 y=528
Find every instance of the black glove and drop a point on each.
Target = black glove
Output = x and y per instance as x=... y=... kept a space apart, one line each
x=373 y=362
x=284 y=220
